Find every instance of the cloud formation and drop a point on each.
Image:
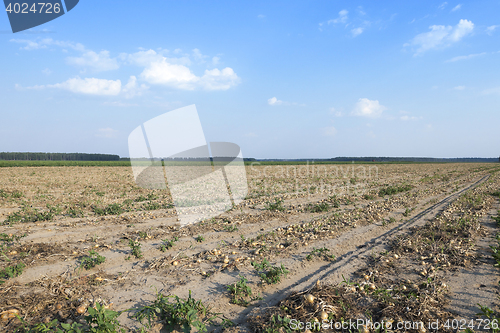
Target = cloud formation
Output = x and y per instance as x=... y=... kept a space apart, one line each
x=159 y=68
x=441 y=36
x=357 y=31
x=466 y=57
x=368 y=108
x=107 y=132
x=30 y=45
x=90 y=86
x=342 y=18
x=97 y=62
x=329 y=131
x=274 y=101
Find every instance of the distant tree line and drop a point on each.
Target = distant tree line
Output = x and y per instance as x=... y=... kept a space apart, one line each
x=57 y=157
x=390 y=159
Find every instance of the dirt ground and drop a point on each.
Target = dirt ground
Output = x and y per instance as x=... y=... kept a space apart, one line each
x=399 y=243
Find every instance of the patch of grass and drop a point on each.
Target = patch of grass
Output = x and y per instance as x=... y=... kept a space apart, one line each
x=320 y=252
x=200 y=239
x=16 y=194
x=92 y=260
x=270 y=274
x=112 y=209
x=29 y=215
x=390 y=190
x=230 y=228
x=335 y=201
x=151 y=205
x=407 y=212
x=75 y=212
x=168 y=244
x=174 y=313
x=136 y=249
x=368 y=197
x=240 y=291
x=277 y=205
x=11 y=271
x=278 y=324
x=319 y=208
x=103 y=320
x=6 y=242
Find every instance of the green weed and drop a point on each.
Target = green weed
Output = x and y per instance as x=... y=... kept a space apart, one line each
x=135 y=246
x=277 y=205
x=240 y=291
x=319 y=208
x=230 y=228
x=320 y=252
x=181 y=313
x=270 y=274
x=167 y=244
x=92 y=260
x=112 y=209
x=11 y=271
x=390 y=190
x=29 y=215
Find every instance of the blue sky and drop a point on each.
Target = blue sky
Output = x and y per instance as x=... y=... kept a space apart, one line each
x=282 y=79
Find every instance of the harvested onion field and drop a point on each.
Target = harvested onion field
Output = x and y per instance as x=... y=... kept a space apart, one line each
x=409 y=245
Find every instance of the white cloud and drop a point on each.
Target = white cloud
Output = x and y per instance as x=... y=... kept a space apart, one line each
x=441 y=6
x=470 y=56
x=491 y=29
x=492 y=91
x=463 y=28
x=335 y=112
x=90 y=86
x=274 y=101
x=141 y=58
x=457 y=7
x=98 y=62
x=132 y=89
x=47 y=71
x=215 y=61
x=407 y=118
x=216 y=79
x=145 y=58
x=180 y=77
x=119 y=104
x=106 y=132
x=329 y=131
x=198 y=56
x=357 y=31
x=164 y=73
x=367 y=108
x=441 y=36
x=43 y=43
x=459 y=88
x=261 y=16
x=341 y=19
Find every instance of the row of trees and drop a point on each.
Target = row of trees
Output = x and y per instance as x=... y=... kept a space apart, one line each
x=57 y=157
